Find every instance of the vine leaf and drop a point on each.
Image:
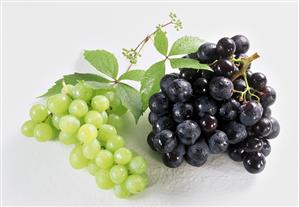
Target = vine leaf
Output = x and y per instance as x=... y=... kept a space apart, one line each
x=161 y=42
x=130 y=98
x=185 y=45
x=103 y=61
x=135 y=75
x=73 y=79
x=150 y=83
x=188 y=63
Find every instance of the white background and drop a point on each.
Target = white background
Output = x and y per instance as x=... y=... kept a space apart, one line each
x=43 y=41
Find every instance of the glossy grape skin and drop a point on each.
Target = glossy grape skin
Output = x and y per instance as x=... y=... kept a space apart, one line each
x=165 y=141
x=43 y=132
x=69 y=124
x=250 y=113
x=135 y=184
x=208 y=123
x=38 y=113
x=235 y=131
x=166 y=80
x=105 y=132
x=67 y=138
x=258 y=81
x=200 y=86
x=104 y=159
x=268 y=96
x=28 y=128
x=254 y=162
x=239 y=84
x=163 y=123
x=104 y=116
x=189 y=74
x=150 y=141
x=188 y=132
x=118 y=174
x=179 y=90
x=275 y=129
x=226 y=47
x=153 y=117
x=100 y=103
x=123 y=156
x=182 y=111
x=103 y=179
x=55 y=121
x=207 y=53
x=197 y=154
x=252 y=144
x=172 y=160
x=236 y=152
x=114 y=143
x=266 y=149
x=229 y=110
x=87 y=133
x=203 y=105
x=221 y=88
x=77 y=159
x=224 y=67
x=90 y=150
x=59 y=104
x=94 y=117
x=92 y=168
x=267 y=112
x=158 y=103
x=263 y=127
x=121 y=191
x=242 y=44
x=218 y=142
x=82 y=91
x=137 y=165
x=78 y=108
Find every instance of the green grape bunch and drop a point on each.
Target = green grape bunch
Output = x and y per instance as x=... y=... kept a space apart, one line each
x=84 y=118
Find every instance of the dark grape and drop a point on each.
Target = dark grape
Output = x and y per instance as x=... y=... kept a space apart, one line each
x=226 y=47
x=254 y=162
x=229 y=110
x=266 y=149
x=242 y=44
x=268 y=96
x=203 y=105
x=150 y=140
x=179 y=90
x=267 y=112
x=200 y=86
x=165 y=141
x=235 y=131
x=164 y=122
x=182 y=111
x=224 y=67
x=197 y=154
x=207 y=53
x=236 y=152
x=252 y=144
x=159 y=103
x=263 y=127
x=208 y=123
x=221 y=88
x=189 y=74
x=275 y=129
x=166 y=80
x=218 y=142
x=257 y=81
x=188 y=132
x=250 y=113
x=152 y=117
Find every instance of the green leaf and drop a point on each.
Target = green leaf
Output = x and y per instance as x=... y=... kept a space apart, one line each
x=161 y=42
x=150 y=83
x=103 y=61
x=73 y=79
x=130 y=98
x=188 y=63
x=185 y=45
x=135 y=75
x=98 y=85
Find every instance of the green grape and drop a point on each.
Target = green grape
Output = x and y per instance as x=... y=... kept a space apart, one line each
x=82 y=91
x=69 y=124
x=87 y=133
x=118 y=174
x=55 y=131
x=94 y=117
x=67 y=138
x=110 y=95
x=121 y=191
x=55 y=121
x=78 y=108
x=135 y=183
x=59 y=104
x=68 y=90
x=122 y=156
x=104 y=116
x=43 y=132
x=100 y=103
x=104 y=159
x=28 y=128
x=137 y=165
x=115 y=121
x=114 y=143
x=90 y=150
x=92 y=168
x=117 y=107
x=105 y=132
x=103 y=179
x=38 y=113
x=77 y=159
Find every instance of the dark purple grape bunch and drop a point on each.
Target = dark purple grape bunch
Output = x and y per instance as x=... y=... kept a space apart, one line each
x=227 y=110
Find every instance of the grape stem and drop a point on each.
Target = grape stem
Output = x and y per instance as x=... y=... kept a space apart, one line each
x=141 y=45
x=243 y=72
